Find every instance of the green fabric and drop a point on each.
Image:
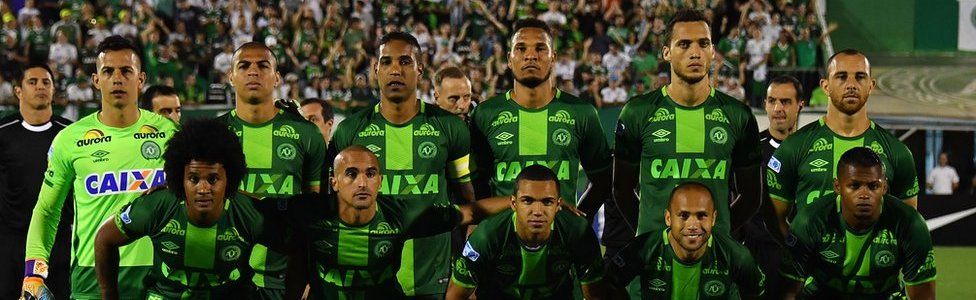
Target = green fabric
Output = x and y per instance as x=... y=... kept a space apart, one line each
x=782 y=56
x=855 y=243
x=818 y=97
x=106 y=167
x=673 y=144
x=806 y=53
x=687 y=278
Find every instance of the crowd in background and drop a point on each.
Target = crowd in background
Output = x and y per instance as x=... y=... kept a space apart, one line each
x=607 y=51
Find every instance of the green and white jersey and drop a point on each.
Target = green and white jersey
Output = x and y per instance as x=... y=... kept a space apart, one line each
x=803 y=168
x=106 y=167
x=561 y=135
x=673 y=144
x=496 y=262
x=360 y=262
x=417 y=160
x=726 y=271
x=845 y=264
x=196 y=262
x=285 y=156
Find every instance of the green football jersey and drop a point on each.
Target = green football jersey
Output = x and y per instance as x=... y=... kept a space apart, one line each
x=496 y=262
x=417 y=160
x=196 y=262
x=561 y=135
x=839 y=265
x=361 y=262
x=284 y=155
x=106 y=167
x=726 y=271
x=672 y=144
x=803 y=168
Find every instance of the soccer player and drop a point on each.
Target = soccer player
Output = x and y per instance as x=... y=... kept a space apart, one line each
x=854 y=243
x=687 y=260
x=423 y=152
x=201 y=228
x=685 y=131
x=163 y=100
x=802 y=169
x=355 y=237
x=319 y=113
x=535 y=123
x=25 y=138
x=452 y=91
x=533 y=251
x=285 y=154
x=107 y=158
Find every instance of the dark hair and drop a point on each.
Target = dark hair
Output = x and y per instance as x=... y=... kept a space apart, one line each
x=206 y=140
x=448 y=72
x=531 y=23
x=19 y=76
x=119 y=43
x=536 y=173
x=683 y=15
x=848 y=51
x=399 y=36
x=789 y=79
x=257 y=45
x=327 y=113
x=153 y=92
x=860 y=157
x=690 y=185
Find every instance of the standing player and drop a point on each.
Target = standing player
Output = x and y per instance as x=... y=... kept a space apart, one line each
x=802 y=169
x=356 y=236
x=423 y=151
x=452 y=91
x=854 y=244
x=686 y=260
x=535 y=123
x=685 y=131
x=163 y=100
x=25 y=138
x=534 y=251
x=108 y=158
x=319 y=113
x=285 y=153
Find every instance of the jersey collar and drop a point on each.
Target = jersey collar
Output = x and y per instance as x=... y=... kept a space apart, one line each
x=664 y=91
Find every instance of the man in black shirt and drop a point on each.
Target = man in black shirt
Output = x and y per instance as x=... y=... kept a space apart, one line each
x=25 y=138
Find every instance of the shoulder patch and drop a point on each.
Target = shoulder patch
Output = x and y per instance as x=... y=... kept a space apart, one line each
x=469 y=252
x=125 y=215
x=774 y=164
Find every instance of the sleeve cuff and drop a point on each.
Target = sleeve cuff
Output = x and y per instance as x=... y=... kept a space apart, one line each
x=917 y=282
x=462 y=284
x=780 y=199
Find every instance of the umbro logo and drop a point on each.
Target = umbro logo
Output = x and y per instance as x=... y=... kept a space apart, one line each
x=818 y=165
x=661 y=135
x=374 y=149
x=829 y=255
x=504 y=138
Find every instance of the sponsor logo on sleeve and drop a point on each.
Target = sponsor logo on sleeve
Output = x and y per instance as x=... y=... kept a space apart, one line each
x=469 y=252
x=774 y=164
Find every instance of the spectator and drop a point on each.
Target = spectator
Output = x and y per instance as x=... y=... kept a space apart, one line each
x=63 y=56
x=564 y=67
x=125 y=28
x=616 y=61
x=222 y=62
x=69 y=26
x=100 y=31
x=554 y=17
x=6 y=91
x=614 y=94
x=806 y=50
x=783 y=54
x=28 y=12
x=600 y=42
x=80 y=93
x=943 y=179
x=757 y=52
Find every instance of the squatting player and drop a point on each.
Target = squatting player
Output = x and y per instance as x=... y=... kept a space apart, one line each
x=802 y=169
x=285 y=153
x=201 y=228
x=854 y=243
x=534 y=251
x=355 y=237
x=423 y=151
x=107 y=159
x=535 y=123
x=685 y=131
x=685 y=260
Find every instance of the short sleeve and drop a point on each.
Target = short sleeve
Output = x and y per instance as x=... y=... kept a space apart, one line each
x=594 y=150
x=919 y=257
x=781 y=173
x=748 y=276
x=588 y=264
x=905 y=184
x=622 y=268
x=459 y=151
x=141 y=217
x=800 y=248
x=747 y=152
x=627 y=143
x=432 y=220
x=464 y=274
x=315 y=158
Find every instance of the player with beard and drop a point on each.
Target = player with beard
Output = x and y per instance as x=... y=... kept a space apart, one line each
x=285 y=153
x=685 y=131
x=423 y=153
x=686 y=260
x=536 y=123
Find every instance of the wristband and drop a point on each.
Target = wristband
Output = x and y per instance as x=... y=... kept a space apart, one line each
x=35 y=268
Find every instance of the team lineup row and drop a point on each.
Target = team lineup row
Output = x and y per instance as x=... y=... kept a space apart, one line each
x=687 y=177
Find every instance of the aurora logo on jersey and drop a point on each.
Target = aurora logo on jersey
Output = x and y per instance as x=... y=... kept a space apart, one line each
x=662 y=114
x=372 y=130
x=128 y=181
x=267 y=183
x=504 y=117
x=562 y=116
x=148 y=132
x=407 y=184
x=821 y=145
x=688 y=168
x=426 y=130
x=230 y=235
x=174 y=227
x=384 y=228
x=507 y=171
x=717 y=116
x=93 y=136
x=876 y=147
x=286 y=131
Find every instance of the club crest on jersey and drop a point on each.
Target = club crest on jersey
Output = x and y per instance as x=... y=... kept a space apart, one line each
x=884 y=258
x=469 y=252
x=286 y=131
x=717 y=116
x=372 y=130
x=821 y=144
x=93 y=136
x=504 y=117
x=427 y=150
x=286 y=151
x=714 y=288
x=662 y=114
x=127 y=181
x=561 y=137
x=718 y=135
x=382 y=248
x=230 y=253
x=148 y=132
x=562 y=116
x=150 y=150
x=426 y=130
